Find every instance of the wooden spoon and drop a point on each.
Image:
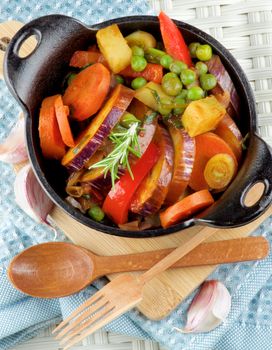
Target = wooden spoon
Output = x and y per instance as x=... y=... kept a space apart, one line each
x=58 y=269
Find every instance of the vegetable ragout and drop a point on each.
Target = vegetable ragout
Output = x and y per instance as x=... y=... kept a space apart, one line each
x=146 y=129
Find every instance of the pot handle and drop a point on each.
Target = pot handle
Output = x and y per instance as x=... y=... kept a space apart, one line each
x=231 y=210
x=52 y=33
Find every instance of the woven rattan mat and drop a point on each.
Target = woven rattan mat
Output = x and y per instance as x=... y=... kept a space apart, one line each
x=245 y=28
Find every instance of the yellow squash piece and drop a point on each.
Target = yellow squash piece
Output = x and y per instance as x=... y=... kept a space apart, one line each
x=147 y=93
x=202 y=116
x=114 y=47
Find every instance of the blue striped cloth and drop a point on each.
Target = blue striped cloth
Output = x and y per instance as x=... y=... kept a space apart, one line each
x=21 y=317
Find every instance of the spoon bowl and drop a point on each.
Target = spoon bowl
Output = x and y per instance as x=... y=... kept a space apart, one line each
x=52 y=270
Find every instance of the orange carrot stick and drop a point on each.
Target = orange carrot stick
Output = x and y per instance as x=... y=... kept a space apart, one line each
x=186 y=207
x=50 y=138
x=62 y=113
x=83 y=58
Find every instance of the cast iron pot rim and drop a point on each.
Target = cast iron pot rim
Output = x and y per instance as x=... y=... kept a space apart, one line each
x=82 y=218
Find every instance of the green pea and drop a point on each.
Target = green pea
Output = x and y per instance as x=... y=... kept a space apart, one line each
x=204 y=52
x=192 y=47
x=165 y=61
x=207 y=81
x=166 y=101
x=119 y=79
x=138 y=82
x=128 y=119
x=195 y=93
x=177 y=67
x=138 y=63
x=201 y=68
x=178 y=111
x=187 y=76
x=71 y=77
x=137 y=51
x=163 y=110
x=178 y=101
x=180 y=105
x=183 y=94
x=171 y=85
x=96 y=213
x=170 y=75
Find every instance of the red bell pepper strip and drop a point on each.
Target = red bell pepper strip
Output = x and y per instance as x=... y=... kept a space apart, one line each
x=173 y=40
x=152 y=72
x=81 y=59
x=118 y=200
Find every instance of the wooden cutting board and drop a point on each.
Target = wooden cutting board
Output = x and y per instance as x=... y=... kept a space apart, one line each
x=165 y=292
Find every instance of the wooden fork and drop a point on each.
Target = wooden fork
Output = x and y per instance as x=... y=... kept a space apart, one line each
x=118 y=296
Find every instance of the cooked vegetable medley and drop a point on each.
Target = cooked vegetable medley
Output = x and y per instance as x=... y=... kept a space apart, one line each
x=146 y=129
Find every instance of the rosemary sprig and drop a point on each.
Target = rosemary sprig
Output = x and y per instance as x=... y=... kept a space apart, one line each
x=125 y=142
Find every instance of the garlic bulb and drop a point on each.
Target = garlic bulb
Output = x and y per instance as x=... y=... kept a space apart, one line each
x=209 y=308
x=30 y=196
x=13 y=149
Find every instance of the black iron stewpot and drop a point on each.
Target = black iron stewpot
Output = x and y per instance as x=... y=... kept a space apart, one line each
x=40 y=74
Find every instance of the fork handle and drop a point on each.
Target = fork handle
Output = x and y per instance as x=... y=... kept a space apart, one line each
x=177 y=254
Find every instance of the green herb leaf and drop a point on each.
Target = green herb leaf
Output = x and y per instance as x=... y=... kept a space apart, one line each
x=150 y=117
x=125 y=142
x=244 y=142
x=156 y=95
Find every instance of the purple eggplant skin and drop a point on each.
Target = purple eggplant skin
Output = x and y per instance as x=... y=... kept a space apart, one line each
x=146 y=134
x=224 y=83
x=99 y=128
x=96 y=141
x=100 y=181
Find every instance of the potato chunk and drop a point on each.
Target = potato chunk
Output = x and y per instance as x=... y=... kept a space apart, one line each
x=146 y=95
x=114 y=48
x=142 y=39
x=202 y=116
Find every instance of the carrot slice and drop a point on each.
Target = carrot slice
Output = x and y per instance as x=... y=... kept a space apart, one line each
x=81 y=59
x=152 y=72
x=186 y=207
x=207 y=145
x=87 y=91
x=50 y=138
x=62 y=113
x=219 y=171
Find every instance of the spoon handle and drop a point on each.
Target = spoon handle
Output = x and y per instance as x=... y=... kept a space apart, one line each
x=227 y=251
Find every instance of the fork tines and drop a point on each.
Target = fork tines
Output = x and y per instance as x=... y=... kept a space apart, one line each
x=114 y=299
x=86 y=316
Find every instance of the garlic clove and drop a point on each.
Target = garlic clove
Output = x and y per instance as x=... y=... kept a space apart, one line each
x=222 y=294
x=74 y=203
x=30 y=196
x=13 y=149
x=209 y=308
